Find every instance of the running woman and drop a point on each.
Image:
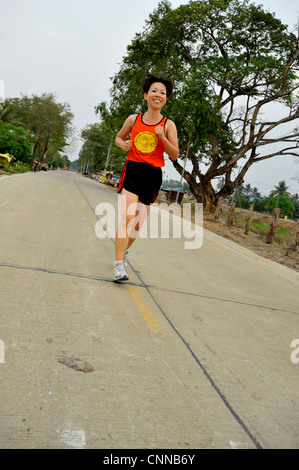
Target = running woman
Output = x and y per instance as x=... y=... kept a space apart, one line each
x=151 y=135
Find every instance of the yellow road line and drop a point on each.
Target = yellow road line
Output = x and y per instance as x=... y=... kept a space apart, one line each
x=150 y=319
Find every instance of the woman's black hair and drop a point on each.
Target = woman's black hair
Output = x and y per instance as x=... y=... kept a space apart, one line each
x=150 y=79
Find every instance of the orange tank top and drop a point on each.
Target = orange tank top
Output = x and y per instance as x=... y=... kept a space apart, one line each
x=146 y=145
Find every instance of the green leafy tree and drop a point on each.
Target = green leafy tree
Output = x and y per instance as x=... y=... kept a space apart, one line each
x=59 y=162
x=92 y=153
x=111 y=122
x=229 y=61
x=280 y=190
x=6 y=110
x=260 y=205
x=285 y=205
x=97 y=149
x=16 y=141
x=243 y=202
x=48 y=122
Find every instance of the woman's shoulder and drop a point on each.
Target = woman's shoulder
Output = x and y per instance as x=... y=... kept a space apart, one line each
x=169 y=123
x=132 y=119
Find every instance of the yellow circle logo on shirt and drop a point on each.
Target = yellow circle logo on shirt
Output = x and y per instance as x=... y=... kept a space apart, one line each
x=146 y=142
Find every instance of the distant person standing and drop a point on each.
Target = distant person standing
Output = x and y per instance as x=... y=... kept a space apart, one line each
x=151 y=135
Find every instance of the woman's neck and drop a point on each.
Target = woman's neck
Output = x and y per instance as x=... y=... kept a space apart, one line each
x=152 y=116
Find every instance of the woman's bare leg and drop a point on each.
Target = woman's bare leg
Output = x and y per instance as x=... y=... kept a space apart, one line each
x=128 y=230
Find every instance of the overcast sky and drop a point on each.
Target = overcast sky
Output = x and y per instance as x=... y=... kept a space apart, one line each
x=73 y=47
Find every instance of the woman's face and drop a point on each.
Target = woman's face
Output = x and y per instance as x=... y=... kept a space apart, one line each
x=157 y=95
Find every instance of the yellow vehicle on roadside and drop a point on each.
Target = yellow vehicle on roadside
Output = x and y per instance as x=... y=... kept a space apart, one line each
x=5 y=157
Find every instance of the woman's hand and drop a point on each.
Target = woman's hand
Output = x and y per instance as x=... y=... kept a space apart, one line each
x=126 y=146
x=160 y=132
x=121 y=137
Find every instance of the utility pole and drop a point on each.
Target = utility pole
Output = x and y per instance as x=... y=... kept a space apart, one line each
x=187 y=153
x=108 y=154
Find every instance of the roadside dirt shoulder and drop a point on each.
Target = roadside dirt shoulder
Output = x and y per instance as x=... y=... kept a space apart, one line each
x=280 y=253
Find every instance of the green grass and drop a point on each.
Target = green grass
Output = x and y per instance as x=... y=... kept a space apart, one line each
x=263 y=226
x=16 y=167
x=283 y=237
x=259 y=225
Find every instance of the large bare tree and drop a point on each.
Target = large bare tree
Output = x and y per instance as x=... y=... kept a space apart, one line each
x=231 y=62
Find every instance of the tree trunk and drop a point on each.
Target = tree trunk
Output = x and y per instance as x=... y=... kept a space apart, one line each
x=295 y=242
x=218 y=208
x=248 y=220
x=208 y=193
x=273 y=225
x=203 y=190
x=46 y=146
x=231 y=214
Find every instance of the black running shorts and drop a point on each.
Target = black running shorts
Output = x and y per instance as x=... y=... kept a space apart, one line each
x=142 y=179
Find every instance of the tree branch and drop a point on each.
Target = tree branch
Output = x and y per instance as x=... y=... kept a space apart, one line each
x=281 y=152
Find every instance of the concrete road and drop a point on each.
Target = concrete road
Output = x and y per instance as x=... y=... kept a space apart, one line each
x=193 y=352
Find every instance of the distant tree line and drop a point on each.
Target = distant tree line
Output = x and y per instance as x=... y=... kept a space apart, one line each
x=279 y=197
x=171 y=183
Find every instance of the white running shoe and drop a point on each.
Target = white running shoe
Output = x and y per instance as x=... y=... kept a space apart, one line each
x=126 y=258
x=119 y=272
